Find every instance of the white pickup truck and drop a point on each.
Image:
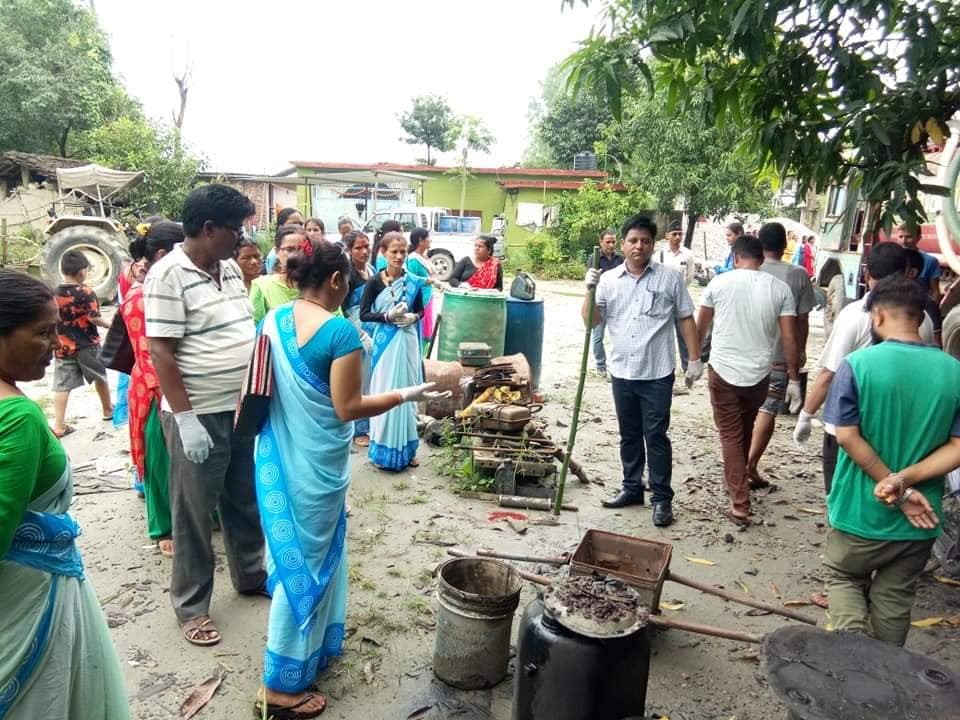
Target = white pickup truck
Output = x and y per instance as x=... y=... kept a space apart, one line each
x=451 y=236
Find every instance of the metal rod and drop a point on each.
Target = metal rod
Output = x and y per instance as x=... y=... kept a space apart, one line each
x=524 y=558
x=740 y=598
x=700 y=629
x=433 y=336
x=539 y=579
x=591 y=304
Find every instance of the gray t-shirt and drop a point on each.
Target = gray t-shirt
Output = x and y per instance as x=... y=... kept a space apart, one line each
x=801 y=288
x=747 y=305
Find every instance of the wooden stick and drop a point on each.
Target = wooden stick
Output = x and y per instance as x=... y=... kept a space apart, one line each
x=433 y=336
x=740 y=598
x=575 y=467
x=572 y=439
x=539 y=579
x=700 y=629
x=515 y=501
x=524 y=558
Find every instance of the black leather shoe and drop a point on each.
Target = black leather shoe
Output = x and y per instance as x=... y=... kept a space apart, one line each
x=622 y=500
x=662 y=514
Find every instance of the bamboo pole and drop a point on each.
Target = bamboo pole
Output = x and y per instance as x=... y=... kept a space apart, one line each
x=700 y=629
x=740 y=598
x=571 y=440
x=538 y=579
x=3 y=239
x=524 y=558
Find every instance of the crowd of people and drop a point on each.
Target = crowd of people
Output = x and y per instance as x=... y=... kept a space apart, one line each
x=888 y=441
x=342 y=326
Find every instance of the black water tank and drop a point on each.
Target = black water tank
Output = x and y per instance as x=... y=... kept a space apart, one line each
x=561 y=675
x=584 y=161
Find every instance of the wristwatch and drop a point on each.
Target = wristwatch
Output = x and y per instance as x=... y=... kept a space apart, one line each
x=904 y=496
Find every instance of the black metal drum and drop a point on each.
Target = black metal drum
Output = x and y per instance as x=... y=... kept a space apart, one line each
x=565 y=675
x=821 y=675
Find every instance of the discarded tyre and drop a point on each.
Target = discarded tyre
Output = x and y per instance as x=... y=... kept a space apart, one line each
x=101 y=250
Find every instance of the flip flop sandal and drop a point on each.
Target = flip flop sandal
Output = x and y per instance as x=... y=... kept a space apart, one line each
x=166 y=547
x=290 y=712
x=195 y=629
x=66 y=431
x=737 y=519
x=362 y=441
x=107 y=418
x=820 y=600
x=414 y=463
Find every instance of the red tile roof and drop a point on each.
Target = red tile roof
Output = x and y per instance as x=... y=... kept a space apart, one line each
x=554 y=185
x=537 y=172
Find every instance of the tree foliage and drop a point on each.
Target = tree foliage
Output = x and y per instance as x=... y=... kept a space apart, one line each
x=133 y=143
x=563 y=124
x=582 y=216
x=430 y=122
x=679 y=158
x=823 y=88
x=55 y=75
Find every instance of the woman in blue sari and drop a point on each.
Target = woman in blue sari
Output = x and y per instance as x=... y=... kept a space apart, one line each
x=58 y=661
x=390 y=309
x=358 y=246
x=303 y=473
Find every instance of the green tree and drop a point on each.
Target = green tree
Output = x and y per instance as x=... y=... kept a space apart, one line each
x=473 y=137
x=55 y=75
x=132 y=143
x=823 y=88
x=562 y=124
x=695 y=163
x=430 y=122
x=583 y=215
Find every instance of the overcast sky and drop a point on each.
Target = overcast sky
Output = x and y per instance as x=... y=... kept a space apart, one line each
x=324 y=80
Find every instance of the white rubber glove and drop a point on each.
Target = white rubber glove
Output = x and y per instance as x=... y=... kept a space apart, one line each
x=419 y=393
x=194 y=437
x=794 y=396
x=406 y=320
x=694 y=372
x=592 y=278
x=396 y=312
x=367 y=342
x=801 y=433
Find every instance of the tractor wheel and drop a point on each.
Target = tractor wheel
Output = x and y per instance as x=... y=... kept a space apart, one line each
x=950 y=334
x=100 y=248
x=836 y=299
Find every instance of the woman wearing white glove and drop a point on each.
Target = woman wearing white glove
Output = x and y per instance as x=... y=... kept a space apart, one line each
x=303 y=472
x=391 y=308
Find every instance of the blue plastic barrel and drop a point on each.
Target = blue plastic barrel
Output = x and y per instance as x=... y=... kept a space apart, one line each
x=525 y=333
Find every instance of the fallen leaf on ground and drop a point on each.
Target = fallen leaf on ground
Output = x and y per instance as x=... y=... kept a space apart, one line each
x=666 y=605
x=946 y=580
x=776 y=590
x=790 y=517
x=811 y=511
x=796 y=603
x=927 y=622
x=743 y=587
x=699 y=561
x=200 y=696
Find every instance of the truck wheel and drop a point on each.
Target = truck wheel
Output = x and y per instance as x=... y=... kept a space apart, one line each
x=950 y=334
x=99 y=247
x=442 y=262
x=836 y=299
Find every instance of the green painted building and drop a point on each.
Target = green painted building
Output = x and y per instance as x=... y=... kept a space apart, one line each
x=526 y=197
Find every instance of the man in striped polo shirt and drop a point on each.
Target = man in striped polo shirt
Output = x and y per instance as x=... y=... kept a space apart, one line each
x=201 y=336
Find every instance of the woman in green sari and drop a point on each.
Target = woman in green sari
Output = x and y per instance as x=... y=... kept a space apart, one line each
x=274 y=290
x=58 y=661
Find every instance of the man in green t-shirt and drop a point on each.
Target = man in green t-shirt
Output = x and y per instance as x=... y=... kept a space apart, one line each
x=898 y=437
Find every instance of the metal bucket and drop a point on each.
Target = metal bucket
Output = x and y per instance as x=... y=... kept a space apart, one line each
x=477 y=599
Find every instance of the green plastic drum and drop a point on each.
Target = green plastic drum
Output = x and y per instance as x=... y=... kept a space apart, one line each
x=475 y=316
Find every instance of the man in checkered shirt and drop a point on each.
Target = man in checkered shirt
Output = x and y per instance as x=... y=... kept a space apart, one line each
x=640 y=301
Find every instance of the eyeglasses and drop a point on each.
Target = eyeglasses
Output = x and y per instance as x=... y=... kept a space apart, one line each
x=235 y=229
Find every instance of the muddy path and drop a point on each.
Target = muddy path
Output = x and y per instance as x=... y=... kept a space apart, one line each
x=400 y=529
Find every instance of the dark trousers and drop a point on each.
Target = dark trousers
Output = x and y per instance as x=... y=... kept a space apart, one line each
x=643 y=414
x=224 y=482
x=734 y=413
x=830 y=449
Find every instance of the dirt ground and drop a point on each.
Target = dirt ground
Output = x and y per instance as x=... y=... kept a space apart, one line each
x=401 y=526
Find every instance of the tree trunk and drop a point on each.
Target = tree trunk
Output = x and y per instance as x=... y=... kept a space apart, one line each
x=62 y=142
x=692 y=217
x=428 y=155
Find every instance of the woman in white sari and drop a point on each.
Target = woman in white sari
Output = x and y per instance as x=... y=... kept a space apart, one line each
x=57 y=660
